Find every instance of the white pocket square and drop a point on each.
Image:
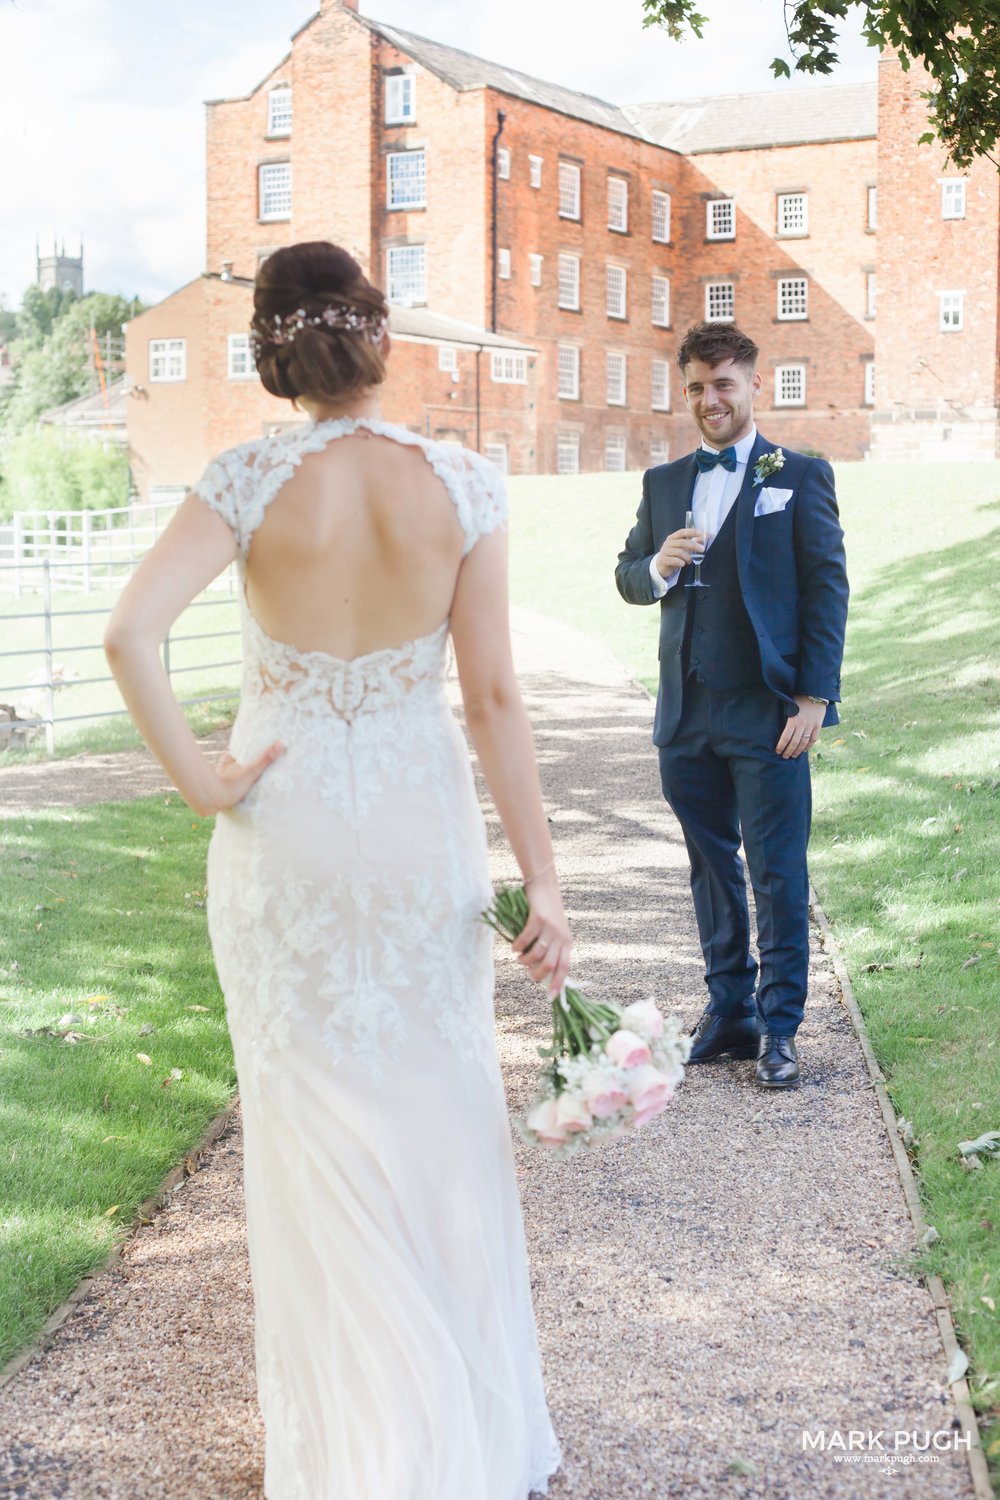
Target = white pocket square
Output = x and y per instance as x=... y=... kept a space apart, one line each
x=769 y=501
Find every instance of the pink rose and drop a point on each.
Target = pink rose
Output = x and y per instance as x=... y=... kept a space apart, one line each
x=543 y=1121
x=644 y=1017
x=602 y=1096
x=572 y=1113
x=649 y=1092
x=626 y=1050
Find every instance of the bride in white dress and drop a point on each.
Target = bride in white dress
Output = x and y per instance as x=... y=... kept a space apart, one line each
x=396 y=1349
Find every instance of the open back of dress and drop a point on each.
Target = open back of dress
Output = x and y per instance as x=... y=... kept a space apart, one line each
x=396 y=1350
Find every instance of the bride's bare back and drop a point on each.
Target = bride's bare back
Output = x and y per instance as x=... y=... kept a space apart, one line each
x=360 y=550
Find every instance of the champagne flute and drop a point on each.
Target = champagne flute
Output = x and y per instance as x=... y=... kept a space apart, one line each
x=697 y=520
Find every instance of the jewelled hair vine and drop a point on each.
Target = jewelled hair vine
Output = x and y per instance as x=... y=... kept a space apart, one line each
x=282 y=330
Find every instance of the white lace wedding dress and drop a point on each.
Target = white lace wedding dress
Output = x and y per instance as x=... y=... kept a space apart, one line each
x=396 y=1350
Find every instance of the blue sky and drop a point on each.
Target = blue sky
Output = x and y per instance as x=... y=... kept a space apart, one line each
x=102 y=126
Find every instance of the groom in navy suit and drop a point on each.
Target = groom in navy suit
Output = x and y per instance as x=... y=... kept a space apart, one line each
x=749 y=674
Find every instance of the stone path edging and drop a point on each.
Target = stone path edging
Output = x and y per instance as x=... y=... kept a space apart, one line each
x=942 y=1303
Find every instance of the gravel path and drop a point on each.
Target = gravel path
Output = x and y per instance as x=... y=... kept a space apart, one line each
x=705 y=1292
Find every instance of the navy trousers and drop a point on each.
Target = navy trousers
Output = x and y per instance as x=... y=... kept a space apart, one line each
x=723 y=779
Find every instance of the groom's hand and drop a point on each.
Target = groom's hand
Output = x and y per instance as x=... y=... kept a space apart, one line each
x=678 y=550
x=802 y=730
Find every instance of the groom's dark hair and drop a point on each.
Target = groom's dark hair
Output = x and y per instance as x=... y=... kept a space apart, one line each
x=714 y=342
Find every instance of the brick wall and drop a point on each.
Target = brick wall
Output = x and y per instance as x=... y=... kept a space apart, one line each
x=936 y=389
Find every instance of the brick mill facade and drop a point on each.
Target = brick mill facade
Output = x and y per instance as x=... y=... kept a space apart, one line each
x=571 y=241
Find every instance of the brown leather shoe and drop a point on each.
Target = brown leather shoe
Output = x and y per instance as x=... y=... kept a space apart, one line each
x=777 y=1062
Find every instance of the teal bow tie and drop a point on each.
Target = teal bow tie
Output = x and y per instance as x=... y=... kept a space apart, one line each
x=707 y=458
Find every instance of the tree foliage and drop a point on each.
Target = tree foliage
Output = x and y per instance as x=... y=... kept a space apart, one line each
x=47 y=468
x=957 y=41
x=51 y=355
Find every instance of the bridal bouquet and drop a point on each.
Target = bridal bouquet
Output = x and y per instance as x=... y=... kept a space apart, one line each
x=608 y=1069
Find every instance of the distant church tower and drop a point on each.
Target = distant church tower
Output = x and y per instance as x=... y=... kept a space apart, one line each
x=59 y=269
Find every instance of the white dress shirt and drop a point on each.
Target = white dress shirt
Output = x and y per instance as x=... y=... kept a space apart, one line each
x=715 y=490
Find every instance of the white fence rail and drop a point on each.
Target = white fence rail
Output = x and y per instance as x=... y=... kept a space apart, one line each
x=47 y=557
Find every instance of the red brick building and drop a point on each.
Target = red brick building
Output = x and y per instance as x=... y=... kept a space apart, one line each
x=574 y=240
x=939 y=237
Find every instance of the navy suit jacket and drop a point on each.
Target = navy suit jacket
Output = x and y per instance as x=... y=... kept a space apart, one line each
x=792 y=576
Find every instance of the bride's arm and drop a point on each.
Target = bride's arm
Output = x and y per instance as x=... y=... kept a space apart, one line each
x=194 y=549
x=501 y=733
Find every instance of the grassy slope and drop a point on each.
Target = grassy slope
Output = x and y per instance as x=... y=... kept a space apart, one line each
x=904 y=851
x=98 y=902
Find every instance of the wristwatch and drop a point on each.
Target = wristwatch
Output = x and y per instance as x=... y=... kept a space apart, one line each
x=825 y=701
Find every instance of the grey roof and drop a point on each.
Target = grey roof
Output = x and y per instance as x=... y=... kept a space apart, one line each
x=422 y=323
x=779 y=117
x=463 y=71
x=95 y=412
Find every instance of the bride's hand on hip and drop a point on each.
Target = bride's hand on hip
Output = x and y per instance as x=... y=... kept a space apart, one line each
x=232 y=779
x=545 y=945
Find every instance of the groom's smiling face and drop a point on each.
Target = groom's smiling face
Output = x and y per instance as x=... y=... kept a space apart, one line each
x=720 y=398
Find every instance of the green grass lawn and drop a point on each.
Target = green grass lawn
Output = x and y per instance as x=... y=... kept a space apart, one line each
x=207 y=632
x=904 y=853
x=104 y=920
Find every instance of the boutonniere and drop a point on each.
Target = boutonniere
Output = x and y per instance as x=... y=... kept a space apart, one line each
x=768 y=464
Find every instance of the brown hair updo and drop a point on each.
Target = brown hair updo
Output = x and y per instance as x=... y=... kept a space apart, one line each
x=296 y=351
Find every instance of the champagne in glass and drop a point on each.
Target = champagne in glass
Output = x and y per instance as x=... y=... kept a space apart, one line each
x=697 y=520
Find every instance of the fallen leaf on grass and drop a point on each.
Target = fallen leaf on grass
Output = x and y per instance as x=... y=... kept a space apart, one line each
x=838 y=742
x=957 y=1368
x=145 y=1058
x=989 y=1303
x=929 y=1237
x=859 y=734
x=983 y=1145
x=203 y=1008
x=112 y=1210
x=95 y=1000
x=108 y=1138
x=147 y=1030
x=972 y=960
x=175 y=1073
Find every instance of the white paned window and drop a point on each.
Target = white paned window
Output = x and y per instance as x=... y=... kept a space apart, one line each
x=447 y=359
x=614 y=455
x=793 y=213
x=870 y=294
x=661 y=217
x=400 y=98
x=720 y=219
x=535 y=263
x=720 y=302
x=793 y=298
x=275 y=190
x=790 y=385
x=661 y=301
x=569 y=281
x=406 y=172
x=870 y=383
x=279 y=112
x=406 y=274
x=497 y=454
x=503 y=265
x=659 y=451
x=873 y=208
x=503 y=162
x=617 y=203
x=508 y=369
x=616 y=368
x=569 y=372
x=568 y=453
x=952 y=312
x=617 y=292
x=535 y=171
x=569 y=190
x=660 y=400
x=239 y=364
x=953 y=198
x=167 y=359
